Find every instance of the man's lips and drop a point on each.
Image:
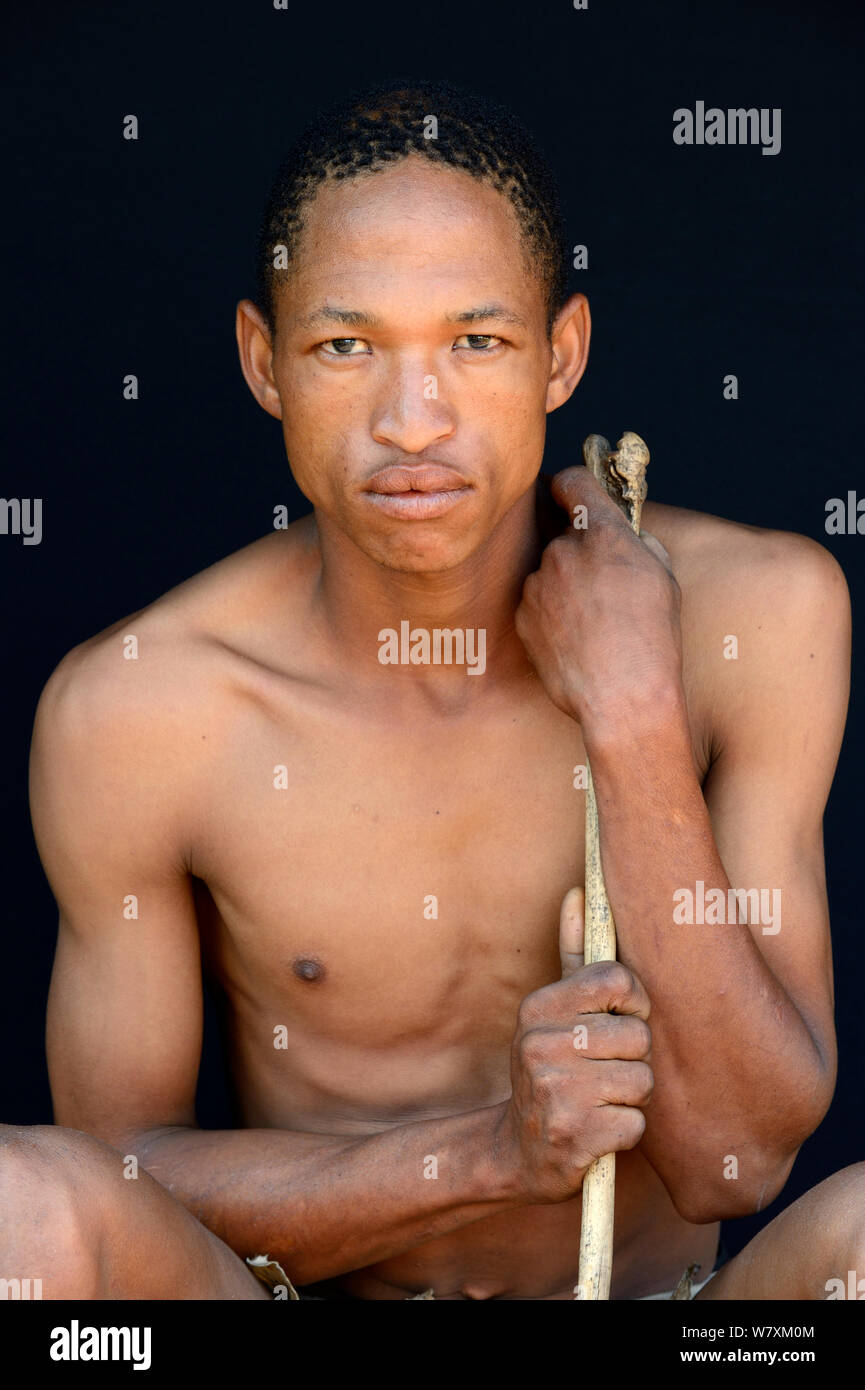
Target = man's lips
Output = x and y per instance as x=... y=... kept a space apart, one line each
x=420 y=492
x=420 y=478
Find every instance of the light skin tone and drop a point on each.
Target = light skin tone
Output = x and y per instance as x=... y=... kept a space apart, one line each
x=408 y=1036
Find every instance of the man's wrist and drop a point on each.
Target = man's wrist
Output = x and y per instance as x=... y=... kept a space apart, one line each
x=650 y=715
x=497 y=1174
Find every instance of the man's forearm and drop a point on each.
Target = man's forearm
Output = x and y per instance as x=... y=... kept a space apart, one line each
x=736 y=1069
x=323 y=1205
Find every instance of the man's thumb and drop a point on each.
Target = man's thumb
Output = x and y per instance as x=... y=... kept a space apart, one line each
x=571 y=931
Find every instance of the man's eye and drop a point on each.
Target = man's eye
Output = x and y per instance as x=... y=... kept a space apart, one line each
x=478 y=341
x=343 y=346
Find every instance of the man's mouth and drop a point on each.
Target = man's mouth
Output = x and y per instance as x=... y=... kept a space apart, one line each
x=416 y=493
x=421 y=477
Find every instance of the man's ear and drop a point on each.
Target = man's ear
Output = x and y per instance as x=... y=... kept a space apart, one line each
x=255 y=345
x=570 y=336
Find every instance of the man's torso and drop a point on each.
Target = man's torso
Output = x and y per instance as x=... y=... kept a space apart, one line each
x=378 y=885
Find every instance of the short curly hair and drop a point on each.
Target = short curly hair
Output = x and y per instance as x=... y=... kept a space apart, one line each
x=384 y=123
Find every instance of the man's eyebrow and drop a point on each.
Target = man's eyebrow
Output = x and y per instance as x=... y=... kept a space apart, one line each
x=485 y=312
x=358 y=318
x=330 y=313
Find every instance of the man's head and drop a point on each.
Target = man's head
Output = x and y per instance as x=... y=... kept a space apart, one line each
x=413 y=311
x=384 y=124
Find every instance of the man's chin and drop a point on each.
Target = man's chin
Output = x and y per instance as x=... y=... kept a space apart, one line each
x=425 y=547
x=408 y=551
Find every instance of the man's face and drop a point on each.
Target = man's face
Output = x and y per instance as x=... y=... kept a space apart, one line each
x=411 y=363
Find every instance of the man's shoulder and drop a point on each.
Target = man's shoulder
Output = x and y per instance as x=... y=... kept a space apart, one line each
x=146 y=672
x=742 y=565
x=764 y=612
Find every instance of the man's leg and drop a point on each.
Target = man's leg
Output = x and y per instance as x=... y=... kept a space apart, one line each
x=69 y=1217
x=820 y=1237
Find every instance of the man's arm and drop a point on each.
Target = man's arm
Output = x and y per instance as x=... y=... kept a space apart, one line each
x=114 y=787
x=743 y=1048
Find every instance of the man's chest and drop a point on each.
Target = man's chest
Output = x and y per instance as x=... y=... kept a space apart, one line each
x=379 y=878
x=389 y=871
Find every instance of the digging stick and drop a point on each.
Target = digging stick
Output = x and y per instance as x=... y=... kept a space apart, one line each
x=623 y=473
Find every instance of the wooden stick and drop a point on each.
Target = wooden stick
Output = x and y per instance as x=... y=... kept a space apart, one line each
x=623 y=473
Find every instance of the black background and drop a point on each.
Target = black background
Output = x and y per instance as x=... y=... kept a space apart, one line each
x=128 y=257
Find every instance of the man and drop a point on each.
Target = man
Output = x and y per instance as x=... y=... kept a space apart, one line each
x=378 y=854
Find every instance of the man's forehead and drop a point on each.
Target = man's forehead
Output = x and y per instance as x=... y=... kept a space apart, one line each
x=409 y=217
x=414 y=237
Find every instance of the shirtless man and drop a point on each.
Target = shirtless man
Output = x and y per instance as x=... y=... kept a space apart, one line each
x=371 y=858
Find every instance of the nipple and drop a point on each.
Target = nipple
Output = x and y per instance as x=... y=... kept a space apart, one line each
x=307 y=968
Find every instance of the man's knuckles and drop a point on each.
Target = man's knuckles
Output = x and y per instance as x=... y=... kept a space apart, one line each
x=620 y=1127
x=608 y=1036
x=626 y=1083
x=553 y=1081
x=592 y=1131
x=566 y=556
x=532 y=1011
x=608 y=986
x=610 y=977
x=536 y=1049
x=602 y=1037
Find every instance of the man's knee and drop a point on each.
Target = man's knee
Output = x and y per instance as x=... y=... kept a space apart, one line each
x=824 y=1233
x=55 y=1197
x=844 y=1200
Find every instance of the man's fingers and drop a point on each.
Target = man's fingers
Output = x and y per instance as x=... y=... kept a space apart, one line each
x=572 y=931
x=624 y=1082
x=576 y=486
x=608 y=986
x=607 y=1036
x=596 y=1037
x=618 y=1127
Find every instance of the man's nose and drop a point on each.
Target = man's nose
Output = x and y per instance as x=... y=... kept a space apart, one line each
x=410 y=413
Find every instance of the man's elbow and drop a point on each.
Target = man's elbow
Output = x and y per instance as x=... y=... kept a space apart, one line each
x=742 y=1177
x=738 y=1191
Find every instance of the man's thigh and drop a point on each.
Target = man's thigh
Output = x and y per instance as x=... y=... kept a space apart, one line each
x=74 y=1217
x=820 y=1237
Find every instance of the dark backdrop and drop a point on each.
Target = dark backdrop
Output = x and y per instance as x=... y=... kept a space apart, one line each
x=128 y=257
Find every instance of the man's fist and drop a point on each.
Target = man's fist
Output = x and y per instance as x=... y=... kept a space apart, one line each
x=578 y=1069
x=600 y=618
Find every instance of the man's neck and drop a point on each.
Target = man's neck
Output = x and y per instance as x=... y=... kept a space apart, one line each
x=359 y=599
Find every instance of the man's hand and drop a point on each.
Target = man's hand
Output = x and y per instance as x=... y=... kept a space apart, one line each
x=578 y=1073
x=600 y=618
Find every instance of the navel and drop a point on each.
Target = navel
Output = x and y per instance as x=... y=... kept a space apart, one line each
x=308 y=968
